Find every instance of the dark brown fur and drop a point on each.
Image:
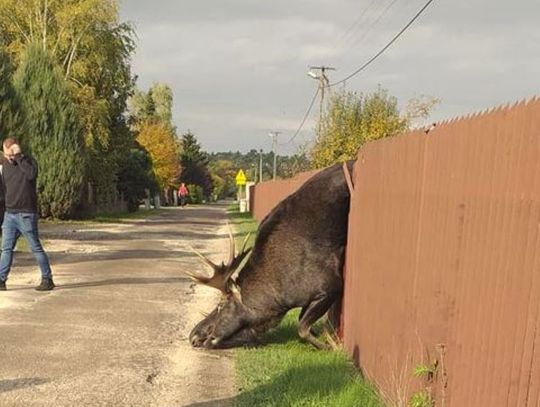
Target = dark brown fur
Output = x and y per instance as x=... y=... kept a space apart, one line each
x=296 y=261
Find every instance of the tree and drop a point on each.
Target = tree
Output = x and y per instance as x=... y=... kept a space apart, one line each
x=290 y=166
x=137 y=177
x=194 y=164
x=93 y=50
x=224 y=166
x=162 y=96
x=418 y=110
x=340 y=135
x=160 y=143
x=351 y=120
x=54 y=134
x=150 y=114
x=10 y=115
x=154 y=106
x=223 y=172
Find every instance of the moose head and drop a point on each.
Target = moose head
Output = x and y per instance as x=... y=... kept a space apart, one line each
x=225 y=321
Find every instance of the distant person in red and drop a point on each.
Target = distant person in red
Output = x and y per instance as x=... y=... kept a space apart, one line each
x=182 y=194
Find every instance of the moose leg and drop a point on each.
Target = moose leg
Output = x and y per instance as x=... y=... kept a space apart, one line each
x=334 y=314
x=302 y=312
x=311 y=314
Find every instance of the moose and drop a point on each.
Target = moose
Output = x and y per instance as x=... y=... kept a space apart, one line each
x=295 y=262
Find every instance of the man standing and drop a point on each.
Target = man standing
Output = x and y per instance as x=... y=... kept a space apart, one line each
x=19 y=176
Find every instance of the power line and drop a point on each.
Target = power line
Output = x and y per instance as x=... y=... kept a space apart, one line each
x=370 y=27
x=305 y=116
x=358 y=20
x=384 y=48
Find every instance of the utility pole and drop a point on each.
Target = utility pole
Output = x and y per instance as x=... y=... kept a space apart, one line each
x=274 y=135
x=260 y=164
x=323 y=84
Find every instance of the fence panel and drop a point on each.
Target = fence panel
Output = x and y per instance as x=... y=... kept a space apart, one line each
x=442 y=260
x=266 y=195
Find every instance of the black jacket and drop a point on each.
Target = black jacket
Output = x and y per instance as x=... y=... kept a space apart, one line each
x=19 y=179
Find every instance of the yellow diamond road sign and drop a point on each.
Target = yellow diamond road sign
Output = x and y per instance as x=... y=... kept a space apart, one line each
x=240 y=178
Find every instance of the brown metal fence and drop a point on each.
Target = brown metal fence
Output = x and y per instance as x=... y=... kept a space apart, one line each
x=266 y=195
x=443 y=261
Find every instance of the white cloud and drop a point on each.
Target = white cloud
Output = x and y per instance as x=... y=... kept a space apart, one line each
x=238 y=67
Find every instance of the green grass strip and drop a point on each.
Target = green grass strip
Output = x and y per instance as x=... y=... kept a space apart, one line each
x=118 y=217
x=284 y=372
x=125 y=216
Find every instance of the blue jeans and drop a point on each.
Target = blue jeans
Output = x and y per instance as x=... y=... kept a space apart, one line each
x=15 y=225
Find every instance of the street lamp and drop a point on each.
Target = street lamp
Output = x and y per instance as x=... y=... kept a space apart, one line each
x=323 y=83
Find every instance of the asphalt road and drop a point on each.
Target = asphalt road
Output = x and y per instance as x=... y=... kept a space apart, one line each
x=114 y=332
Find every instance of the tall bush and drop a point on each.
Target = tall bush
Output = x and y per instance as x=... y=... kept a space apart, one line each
x=54 y=133
x=10 y=113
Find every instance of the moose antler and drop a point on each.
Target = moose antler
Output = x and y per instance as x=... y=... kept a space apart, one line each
x=222 y=273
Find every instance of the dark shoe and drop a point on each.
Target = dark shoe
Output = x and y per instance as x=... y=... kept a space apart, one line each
x=46 y=285
x=3 y=286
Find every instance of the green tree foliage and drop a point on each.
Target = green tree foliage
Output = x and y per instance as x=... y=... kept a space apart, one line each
x=10 y=114
x=93 y=50
x=154 y=106
x=225 y=165
x=196 y=194
x=149 y=109
x=223 y=172
x=290 y=166
x=137 y=178
x=352 y=119
x=54 y=134
x=162 y=96
x=194 y=164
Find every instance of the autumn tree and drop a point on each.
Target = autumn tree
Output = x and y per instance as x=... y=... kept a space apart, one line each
x=160 y=143
x=150 y=115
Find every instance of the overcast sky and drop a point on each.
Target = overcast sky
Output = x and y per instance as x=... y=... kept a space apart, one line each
x=238 y=67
